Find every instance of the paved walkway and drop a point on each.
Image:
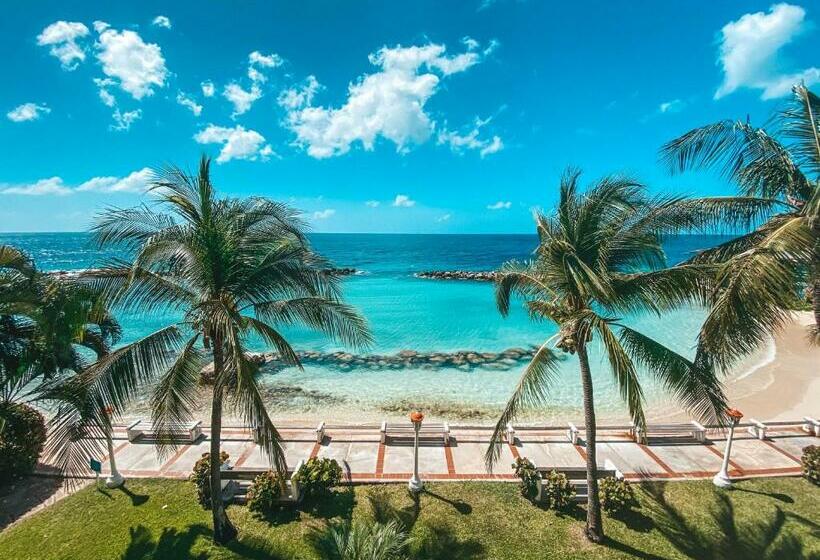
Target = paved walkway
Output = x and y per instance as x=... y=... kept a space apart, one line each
x=366 y=459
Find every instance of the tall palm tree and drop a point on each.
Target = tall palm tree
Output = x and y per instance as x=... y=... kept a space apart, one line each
x=777 y=172
x=599 y=257
x=232 y=268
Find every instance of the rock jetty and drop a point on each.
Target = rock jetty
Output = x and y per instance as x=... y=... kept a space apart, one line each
x=475 y=275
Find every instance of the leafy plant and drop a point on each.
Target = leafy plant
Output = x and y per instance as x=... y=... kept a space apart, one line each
x=617 y=495
x=317 y=476
x=201 y=477
x=361 y=540
x=558 y=493
x=264 y=494
x=530 y=479
x=811 y=463
x=21 y=441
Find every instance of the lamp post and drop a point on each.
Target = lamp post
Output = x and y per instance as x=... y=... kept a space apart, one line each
x=721 y=479
x=115 y=479
x=415 y=484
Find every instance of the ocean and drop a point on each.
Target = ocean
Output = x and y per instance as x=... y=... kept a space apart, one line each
x=422 y=315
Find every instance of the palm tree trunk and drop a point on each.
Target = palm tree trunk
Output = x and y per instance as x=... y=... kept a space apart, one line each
x=224 y=531
x=595 y=527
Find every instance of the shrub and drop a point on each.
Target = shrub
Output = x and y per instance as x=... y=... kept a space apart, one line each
x=616 y=495
x=21 y=440
x=811 y=463
x=525 y=470
x=558 y=492
x=317 y=476
x=360 y=540
x=201 y=477
x=263 y=497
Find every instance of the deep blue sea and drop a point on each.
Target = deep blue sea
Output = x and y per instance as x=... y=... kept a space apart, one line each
x=406 y=312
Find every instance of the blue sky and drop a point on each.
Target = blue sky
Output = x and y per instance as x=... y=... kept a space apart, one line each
x=376 y=116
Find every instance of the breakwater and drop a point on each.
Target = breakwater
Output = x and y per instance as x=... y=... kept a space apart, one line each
x=475 y=275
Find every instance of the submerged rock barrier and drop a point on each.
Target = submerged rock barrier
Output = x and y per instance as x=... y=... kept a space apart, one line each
x=476 y=275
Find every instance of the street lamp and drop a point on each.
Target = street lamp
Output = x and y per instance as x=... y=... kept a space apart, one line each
x=721 y=479
x=415 y=484
x=115 y=479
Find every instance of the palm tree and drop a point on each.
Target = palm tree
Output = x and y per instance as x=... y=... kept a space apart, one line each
x=232 y=268
x=600 y=256
x=778 y=177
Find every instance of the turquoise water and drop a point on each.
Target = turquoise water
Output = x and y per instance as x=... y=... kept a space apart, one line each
x=405 y=312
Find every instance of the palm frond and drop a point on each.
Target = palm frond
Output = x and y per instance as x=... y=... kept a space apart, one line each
x=800 y=123
x=521 y=279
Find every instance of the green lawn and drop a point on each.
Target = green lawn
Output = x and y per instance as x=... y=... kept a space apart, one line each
x=777 y=518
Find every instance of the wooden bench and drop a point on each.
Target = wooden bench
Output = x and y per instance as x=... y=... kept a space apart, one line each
x=236 y=481
x=577 y=476
x=408 y=431
x=510 y=431
x=140 y=429
x=574 y=432
x=760 y=429
x=323 y=428
x=692 y=430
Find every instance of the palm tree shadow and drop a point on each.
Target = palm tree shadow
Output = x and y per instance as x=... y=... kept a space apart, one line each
x=171 y=543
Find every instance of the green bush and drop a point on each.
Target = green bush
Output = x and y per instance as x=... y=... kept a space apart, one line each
x=616 y=495
x=525 y=470
x=317 y=476
x=201 y=477
x=811 y=463
x=360 y=540
x=21 y=440
x=264 y=494
x=558 y=492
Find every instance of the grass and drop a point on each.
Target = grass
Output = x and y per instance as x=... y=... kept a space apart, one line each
x=775 y=518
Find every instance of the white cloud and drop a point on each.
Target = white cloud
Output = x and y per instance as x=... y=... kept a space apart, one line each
x=323 y=214
x=237 y=142
x=372 y=203
x=470 y=43
x=100 y=26
x=444 y=218
x=388 y=103
x=241 y=99
x=162 y=21
x=62 y=37
x=299 y=96
x=403 y=201
x=136 y=66
x=124 y=120
x=265 y=60
x=673 y=106
x=208 y=88
x=187 y=101
x=136 y=182
x=53 y=186
x=459 y=143
x=500 y=205
x=27 y=112
x=749 y=50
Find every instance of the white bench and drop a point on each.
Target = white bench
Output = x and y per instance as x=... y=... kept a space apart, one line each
x=574 y=432
x=692 y=429
x=140 y=429
x=510 y=431
x=577 y=476
x=760 y=429
x=811 y=425
x=237 y=481
x=408 y=431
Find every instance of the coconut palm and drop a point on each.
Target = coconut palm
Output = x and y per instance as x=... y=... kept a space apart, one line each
x=600 y=257
x=232 y=268
x=777 y=171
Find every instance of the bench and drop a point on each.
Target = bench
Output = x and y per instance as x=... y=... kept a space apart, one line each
x=510 y=431
x=236 y=481
x=408 y=431
x=140 y=429
x=693 y=430
x=574 y=432
x=577 y=476
x=760 y=429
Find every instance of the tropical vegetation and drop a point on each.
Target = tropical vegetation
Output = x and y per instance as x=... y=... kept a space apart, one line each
x=600 y=258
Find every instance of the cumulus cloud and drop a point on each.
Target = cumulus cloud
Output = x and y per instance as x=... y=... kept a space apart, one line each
x=469 y=140
x=403 y=201
x=388 y=103
x=50 y=186
x=272 y=60
x=500 y=205
x=124 y=119
x=61 y=37
x=673 y=106
x=136 y=66
x=187 y=101
x=162 y=21
x=299 y=96
x=372 y=203
x=208 y=88
x=27 y=112
x=749 y=49
x=136 y=182
x=237 y=142
x=241 y=99
x=323 y=214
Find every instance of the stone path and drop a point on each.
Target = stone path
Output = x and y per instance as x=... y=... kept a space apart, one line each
x=365 y=459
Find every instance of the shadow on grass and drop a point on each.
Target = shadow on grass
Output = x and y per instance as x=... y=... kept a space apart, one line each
x=136 y=499
x=178 y=544
x=460 y=506
x=335 y=504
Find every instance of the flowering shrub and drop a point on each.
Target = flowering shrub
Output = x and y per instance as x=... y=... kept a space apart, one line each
x=201 y=477
x=264 y=494
x=530 y=479
x=558 y=492
x=616 y=495
x=317 y=476
x=811 y=463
